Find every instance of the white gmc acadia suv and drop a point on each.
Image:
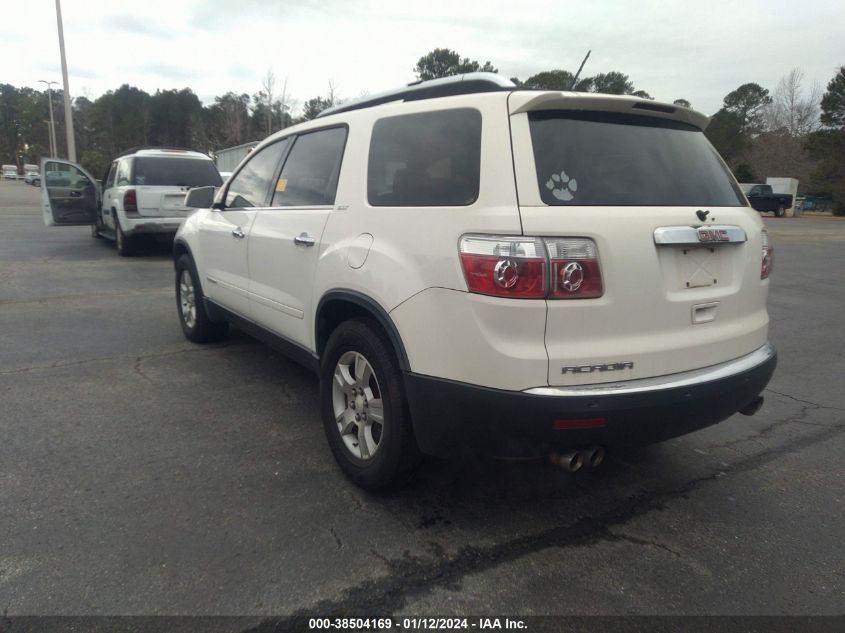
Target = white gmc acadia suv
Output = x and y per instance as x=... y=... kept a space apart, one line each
x=466 y=263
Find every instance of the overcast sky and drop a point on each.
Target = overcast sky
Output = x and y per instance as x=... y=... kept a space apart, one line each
x=699 y=51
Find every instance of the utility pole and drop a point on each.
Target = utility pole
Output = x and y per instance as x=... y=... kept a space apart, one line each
x=71 y=143
x=52 y=120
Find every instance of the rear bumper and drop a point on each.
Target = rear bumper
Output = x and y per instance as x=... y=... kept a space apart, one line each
x=144 y=225
x=448 y=415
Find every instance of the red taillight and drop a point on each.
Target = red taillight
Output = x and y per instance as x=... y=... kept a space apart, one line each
x=768 y=257
x=505 y=266
x=575 y=268
x=130 y=201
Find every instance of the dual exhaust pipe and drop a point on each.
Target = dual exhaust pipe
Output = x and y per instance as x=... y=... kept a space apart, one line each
x=575 y=459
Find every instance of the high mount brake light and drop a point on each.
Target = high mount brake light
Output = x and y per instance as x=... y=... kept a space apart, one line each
x=519 y=267
x=768 y=257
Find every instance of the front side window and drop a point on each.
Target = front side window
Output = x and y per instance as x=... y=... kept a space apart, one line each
x=175 y=172
x=310 y=174
x=251 y=186
x=429 y=159
x=609 y=159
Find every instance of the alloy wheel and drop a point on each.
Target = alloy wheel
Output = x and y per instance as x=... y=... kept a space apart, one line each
x=187 y=299
x=357 y=405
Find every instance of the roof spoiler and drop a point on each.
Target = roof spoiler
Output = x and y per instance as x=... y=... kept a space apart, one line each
x=587 y=101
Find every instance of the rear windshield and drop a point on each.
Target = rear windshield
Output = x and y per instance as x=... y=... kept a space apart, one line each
x=175 y=172
x=607 y=159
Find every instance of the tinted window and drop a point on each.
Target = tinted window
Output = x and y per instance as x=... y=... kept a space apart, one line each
x=175 y=172
x=111 y=175
x=426 y=159
x=625 y=160
x=310 y=174
x=251 y=185
x=122 y=177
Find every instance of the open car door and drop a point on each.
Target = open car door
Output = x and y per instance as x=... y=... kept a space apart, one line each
x=70 y=196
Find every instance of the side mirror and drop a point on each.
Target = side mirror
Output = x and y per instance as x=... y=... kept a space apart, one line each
x=200 y=197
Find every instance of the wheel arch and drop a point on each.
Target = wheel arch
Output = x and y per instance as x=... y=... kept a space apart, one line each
x=339 y=305
x=180 y=247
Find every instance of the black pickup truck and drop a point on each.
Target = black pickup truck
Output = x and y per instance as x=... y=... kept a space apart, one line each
x=762 y=199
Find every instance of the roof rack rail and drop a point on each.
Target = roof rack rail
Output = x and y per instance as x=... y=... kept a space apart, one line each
x=132 y=150
x=468 y=83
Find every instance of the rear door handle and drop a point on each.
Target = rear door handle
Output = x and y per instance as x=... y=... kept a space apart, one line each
x=304 y=239
x=237 y=232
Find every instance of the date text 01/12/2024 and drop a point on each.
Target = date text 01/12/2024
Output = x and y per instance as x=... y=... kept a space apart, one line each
x=419 y=623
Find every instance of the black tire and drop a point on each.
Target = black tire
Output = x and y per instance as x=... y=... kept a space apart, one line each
x=780 y=212
x=200 y=328
x=397 y=455
x=123 y=244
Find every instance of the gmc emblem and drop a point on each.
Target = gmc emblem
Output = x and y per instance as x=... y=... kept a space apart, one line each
x=713 y=235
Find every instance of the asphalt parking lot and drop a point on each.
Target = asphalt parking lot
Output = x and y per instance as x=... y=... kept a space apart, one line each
x=142 y=474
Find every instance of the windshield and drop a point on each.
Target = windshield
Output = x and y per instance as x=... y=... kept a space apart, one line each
x=609 y=159
x=175 y=172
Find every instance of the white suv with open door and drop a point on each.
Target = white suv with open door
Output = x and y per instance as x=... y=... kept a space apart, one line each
x=466 y=263
x=143 y=194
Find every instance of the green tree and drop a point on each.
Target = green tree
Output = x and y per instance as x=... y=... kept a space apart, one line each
x=83 y=124
x=10 y=138
x=173 y=114
x=747 y=103
x=642 y=94
x=833 y=101
x=828 y=146
x=557 y=80
x=828 y=178
x=612 y=83
x=314 y=107
x=228 y=120
x=444 y=62
x=743 y=173
x=683 y=103
x=34 y=153
x=725 y=133
x=94 y=162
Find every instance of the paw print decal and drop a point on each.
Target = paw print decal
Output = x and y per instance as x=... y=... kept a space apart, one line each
x=562 y=186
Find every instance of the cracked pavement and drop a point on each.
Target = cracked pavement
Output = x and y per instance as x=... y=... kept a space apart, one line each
x=141 y=474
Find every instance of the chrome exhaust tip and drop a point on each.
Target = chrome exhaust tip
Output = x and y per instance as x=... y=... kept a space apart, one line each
x=593 y=456
x=568 y=460
x=752 y=407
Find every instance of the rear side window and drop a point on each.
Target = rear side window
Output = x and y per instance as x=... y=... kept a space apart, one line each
x=430 y=159
x=175 y=172
x=122 y=177
x=251 y=185
x=606 y=159
x=309 y=177
x=111 y=175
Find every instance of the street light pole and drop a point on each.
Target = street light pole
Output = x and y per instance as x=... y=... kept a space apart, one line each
x=71 y=143
x=52 y=121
